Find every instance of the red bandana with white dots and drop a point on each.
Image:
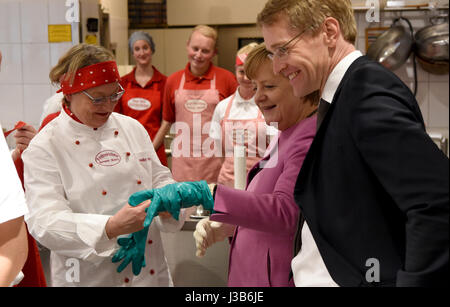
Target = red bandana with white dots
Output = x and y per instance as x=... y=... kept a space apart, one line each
x=91 y=76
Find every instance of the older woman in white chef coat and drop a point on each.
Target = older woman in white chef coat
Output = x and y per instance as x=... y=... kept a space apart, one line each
x=79 y=172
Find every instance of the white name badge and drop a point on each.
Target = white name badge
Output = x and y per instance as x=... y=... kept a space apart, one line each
x=139 y=104
x=196 y=105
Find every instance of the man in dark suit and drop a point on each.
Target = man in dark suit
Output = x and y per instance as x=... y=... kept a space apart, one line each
x=373 y=189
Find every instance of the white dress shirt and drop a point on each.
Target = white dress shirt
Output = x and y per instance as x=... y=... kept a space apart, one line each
x=12 y=198
x=308 y=267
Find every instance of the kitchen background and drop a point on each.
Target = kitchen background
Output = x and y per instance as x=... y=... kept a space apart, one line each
x=28 y=56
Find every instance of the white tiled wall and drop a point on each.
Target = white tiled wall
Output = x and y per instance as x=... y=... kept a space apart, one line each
x=432 y=92
x=27 y=57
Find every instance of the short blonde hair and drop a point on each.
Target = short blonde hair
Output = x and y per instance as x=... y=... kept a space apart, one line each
x=205 y=31
x=258 y=57
x=247 y=48
x=304 y=14
x=77 y=57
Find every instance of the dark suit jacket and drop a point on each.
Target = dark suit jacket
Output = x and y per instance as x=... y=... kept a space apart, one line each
x=374 y=185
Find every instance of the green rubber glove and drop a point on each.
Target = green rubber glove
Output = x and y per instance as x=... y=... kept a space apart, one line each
x=132 y=249
x=173 y=197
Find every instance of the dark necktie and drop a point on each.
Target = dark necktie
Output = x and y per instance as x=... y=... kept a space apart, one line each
x=322 y=111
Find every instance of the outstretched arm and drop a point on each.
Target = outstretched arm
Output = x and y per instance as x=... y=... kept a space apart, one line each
x=13 y=249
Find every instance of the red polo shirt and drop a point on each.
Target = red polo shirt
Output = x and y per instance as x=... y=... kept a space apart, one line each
x=144 y=103
x=226 y=84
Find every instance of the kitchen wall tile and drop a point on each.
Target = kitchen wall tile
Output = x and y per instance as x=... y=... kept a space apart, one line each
x=362 y=23
x=418 y=19
x=119 y=35
x=406 y=71
x=360 y=44
x=439 y=104
x=34 y=97
x=10 y=24
x=11 y=104
x=11 y=70
x=57 y=50
x=34 y=16
x=36 y=63
x=439 y=78
x=57 y=12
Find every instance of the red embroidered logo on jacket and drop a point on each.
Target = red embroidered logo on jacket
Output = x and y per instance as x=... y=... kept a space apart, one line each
x=107 y=158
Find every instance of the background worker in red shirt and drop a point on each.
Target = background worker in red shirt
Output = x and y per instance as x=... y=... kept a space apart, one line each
x=190 y=97
x=144 y=88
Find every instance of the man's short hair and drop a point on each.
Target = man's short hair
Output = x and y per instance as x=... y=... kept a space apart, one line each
x=303 y=14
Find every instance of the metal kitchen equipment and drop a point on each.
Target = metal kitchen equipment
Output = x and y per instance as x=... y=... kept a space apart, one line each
x=393 y=47
x=432 y=46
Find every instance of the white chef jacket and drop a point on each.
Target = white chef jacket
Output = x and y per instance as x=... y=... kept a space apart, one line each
x=308 y=267
x=241 y=109
x=12 y=199
x=76 y=178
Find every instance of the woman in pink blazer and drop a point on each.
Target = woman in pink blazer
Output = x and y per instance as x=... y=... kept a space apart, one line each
x=262 y=220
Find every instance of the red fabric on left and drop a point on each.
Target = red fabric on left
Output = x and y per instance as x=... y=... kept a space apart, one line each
x=33 y=270
x=19 y=125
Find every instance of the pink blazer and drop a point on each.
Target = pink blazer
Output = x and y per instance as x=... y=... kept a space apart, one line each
x=266 y=214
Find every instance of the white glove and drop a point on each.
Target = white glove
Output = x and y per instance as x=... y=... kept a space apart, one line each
x=208 y=232
x=211 y=187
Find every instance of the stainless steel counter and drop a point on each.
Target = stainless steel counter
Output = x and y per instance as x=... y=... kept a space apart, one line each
x=190 y=271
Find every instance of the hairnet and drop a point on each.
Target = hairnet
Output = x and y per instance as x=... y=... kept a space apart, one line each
x=141 y=35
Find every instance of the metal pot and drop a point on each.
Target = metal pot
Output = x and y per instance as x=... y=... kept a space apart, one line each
x=432 y=47
x=393 y=47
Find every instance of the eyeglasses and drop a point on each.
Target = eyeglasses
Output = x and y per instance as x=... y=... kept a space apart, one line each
x=101 y=100
x=282 y=51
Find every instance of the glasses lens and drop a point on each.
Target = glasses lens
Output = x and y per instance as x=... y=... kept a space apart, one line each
x=117 y=96
x=113 y=98
x=281 y=52
x=100 y=100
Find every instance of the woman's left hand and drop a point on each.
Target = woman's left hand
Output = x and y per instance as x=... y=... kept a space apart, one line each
x=23 y=138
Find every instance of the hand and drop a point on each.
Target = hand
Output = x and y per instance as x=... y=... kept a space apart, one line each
x=23 y=137
x=132 y=249
x=173 y=197
x=208 y=232
x=127 y=220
